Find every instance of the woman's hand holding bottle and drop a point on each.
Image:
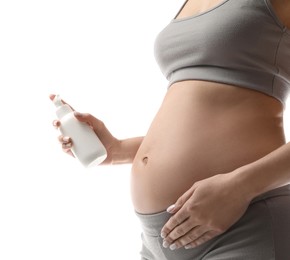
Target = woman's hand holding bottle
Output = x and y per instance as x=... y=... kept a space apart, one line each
x=110 y=143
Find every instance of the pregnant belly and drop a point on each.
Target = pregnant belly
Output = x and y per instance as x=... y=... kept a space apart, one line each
x=196 y=135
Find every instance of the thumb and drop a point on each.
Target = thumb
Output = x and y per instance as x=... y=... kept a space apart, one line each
x=84 y=117
x=96 y=124
x=80 y=116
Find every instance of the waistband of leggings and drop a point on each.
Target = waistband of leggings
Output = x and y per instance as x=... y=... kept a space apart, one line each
x=281 y=191
x=153 y=223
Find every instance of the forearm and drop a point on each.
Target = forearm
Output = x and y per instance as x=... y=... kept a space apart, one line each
x=127 y=150
x=267 y=173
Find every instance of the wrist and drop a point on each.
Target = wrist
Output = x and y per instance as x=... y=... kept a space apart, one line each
x=116 y=152
x=124 y=151
x=247 y=186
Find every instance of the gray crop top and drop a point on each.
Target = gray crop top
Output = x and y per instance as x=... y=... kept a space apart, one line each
x=238 y=42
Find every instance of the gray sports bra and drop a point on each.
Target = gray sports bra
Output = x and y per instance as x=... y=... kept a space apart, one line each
x=238 y=42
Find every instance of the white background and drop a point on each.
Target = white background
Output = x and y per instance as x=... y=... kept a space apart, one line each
x=98 y=55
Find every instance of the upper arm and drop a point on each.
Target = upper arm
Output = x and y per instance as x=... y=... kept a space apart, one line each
x=282 y=9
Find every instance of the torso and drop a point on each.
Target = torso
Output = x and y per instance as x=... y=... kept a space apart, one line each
x=202 y=129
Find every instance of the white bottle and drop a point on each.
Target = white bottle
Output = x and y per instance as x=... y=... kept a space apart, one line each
x=87 y=147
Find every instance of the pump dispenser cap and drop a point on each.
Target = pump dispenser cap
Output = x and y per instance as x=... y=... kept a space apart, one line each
x=57 y=101
x=62 y=109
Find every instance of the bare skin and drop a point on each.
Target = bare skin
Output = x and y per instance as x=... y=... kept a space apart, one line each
x=197 y=134
x=195 y=151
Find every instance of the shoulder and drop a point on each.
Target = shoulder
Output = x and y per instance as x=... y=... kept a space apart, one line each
x=282 y=9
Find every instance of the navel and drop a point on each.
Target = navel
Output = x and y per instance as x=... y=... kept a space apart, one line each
x=145 y=160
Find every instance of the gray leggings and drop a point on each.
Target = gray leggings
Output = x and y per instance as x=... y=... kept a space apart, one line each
x=262 y=233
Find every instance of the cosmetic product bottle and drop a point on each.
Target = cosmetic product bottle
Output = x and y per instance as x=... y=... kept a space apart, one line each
x=87 y=147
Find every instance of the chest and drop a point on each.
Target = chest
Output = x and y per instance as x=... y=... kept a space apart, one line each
x=220 y=36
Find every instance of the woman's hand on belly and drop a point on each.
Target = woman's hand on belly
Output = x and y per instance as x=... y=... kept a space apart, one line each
x=207 y=209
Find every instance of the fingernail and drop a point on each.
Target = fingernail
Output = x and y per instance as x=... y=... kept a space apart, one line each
x=56 y=124
x=78 y=114
x=163 y=235
x=170 y=208
x=188 y=247
x=66 y=145
x=165 y=244
x=173 y=247
x=66 y=139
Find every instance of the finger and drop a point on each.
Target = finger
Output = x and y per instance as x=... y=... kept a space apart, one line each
x=180 y=202
x=174 y=209
x=91 y=121
x=56 y=123
x=88 y=118
x=66 y=144
x=174 y=239
x=66 y=147
x=52 y=96
x=190 y=236
x=64 y=139
x=97 y=125
x=173 y=222
x=202 y=239
x=178 y=233
x=69 y=152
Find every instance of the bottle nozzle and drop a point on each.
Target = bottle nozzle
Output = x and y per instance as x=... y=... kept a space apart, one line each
x=57 y=101
x=62 y=109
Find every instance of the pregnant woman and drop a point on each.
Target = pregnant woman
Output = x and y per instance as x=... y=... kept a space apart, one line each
x=210 y=178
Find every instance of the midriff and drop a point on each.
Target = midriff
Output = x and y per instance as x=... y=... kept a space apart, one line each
x=202 y=129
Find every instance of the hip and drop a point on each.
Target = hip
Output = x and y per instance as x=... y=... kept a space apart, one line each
x=262 y=233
